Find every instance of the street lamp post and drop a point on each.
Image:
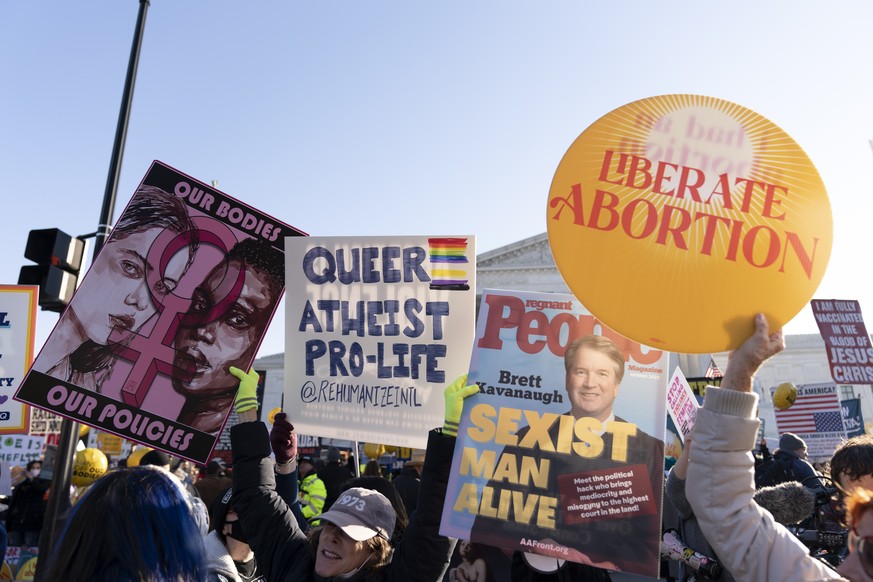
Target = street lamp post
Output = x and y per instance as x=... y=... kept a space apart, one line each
x=59 y=494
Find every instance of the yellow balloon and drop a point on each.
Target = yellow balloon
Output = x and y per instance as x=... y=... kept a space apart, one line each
x=784 y=396
x=90 y=465
x=374 y=450
x=390 y=449
x=83 y=430
x=272 y=416
x=135 y=457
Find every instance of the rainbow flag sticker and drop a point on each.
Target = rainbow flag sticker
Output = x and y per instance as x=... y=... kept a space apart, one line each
x=449 y=264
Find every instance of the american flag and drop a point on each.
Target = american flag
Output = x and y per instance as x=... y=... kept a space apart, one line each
x=712 y=371
x=812 y=413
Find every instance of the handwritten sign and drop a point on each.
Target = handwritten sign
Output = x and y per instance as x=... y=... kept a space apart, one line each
x=376 y=328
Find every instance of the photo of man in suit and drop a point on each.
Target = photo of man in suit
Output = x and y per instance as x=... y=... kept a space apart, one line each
x=614 y=450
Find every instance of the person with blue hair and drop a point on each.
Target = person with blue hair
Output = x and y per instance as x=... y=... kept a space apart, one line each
x=132 y=524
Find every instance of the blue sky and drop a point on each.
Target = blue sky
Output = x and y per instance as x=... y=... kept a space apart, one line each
x=403 y=118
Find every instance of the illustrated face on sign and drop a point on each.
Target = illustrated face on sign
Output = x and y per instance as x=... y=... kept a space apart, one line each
x=122 y=298
x=228 y=338
x=593 y=380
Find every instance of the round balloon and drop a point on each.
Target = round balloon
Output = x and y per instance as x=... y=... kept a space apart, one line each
x=674 y=219
x=374 y=450
x=134 y=458
x=90 y=465
x=784 y=396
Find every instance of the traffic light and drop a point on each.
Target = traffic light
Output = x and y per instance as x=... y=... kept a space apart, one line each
x=58 y=258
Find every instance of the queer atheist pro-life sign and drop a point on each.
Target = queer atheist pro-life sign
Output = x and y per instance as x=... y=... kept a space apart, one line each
x=376 y=328
x=184 y=288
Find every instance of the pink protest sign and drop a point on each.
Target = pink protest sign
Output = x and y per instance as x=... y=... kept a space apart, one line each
x=846 y=340
x=184 y=288
x=681 y=403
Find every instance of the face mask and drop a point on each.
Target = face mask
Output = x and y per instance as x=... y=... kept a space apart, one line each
x=237 y=533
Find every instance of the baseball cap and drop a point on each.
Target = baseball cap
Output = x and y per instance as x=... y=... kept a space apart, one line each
x=361 y=514
x=306 y=459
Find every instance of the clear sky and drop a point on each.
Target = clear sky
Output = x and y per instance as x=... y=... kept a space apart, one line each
x=404 y=118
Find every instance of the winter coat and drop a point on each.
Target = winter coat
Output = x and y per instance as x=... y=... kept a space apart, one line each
x=27 y=505
x=221 y=566
x=407 y=484
x=748 y=541
x=282 y=550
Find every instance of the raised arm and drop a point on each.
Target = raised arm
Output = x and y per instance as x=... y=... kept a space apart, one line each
x=281 y=549
x=720 y=482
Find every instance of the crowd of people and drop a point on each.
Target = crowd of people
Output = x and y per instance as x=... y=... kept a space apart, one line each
x=275 y=515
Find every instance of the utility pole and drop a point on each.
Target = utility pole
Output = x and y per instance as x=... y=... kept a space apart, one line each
x=59 y=494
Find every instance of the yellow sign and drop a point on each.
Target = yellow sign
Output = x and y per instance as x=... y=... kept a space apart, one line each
x=26 y=571
x=109 y=443
x=675 y=219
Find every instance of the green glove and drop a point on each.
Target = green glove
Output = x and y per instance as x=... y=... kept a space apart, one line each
x=247 y=397
x=455 y=394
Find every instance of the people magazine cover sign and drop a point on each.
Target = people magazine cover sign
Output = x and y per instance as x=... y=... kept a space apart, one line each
x=376 y=328
x=561 y=453
x=183 y=288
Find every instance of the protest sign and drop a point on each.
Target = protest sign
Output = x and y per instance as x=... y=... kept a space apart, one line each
x=21 y=449
x=815 y=416
x=673 y=192
x=853 y=419
x=184 y=287
x=698 y=386
x=564 y=460
x=17 y=327
x=681 y=404
x=111 y=445
x=850 y=354
x=45 y=423
x=376 y=328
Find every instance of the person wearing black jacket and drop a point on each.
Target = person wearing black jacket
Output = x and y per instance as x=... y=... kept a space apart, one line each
x=334 y=476
x=26 y=513
x=409 y=481
x=352 y=545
